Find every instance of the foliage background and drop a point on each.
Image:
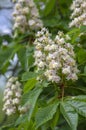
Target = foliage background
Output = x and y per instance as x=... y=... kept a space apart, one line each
x=56 y=16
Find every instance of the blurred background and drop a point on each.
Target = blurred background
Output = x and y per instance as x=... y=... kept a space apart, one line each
x=6 y=8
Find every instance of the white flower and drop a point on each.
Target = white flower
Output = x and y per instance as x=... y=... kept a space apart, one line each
x=17 y=6
x=17 y=83
x=54 y=65
x=41 y=64
x=13 y=87
x=8 y=102
x=26 y=16
x=56 y=79
x=7 y=90
x=74 y=77
x=12 y=95
x=8 y=84
x=66 y=70
x=23 y=109
x=38 y=54
x=31 y=22
x=56 y=57
x=9 y=111
x=16 y=25
x=39 y=46
x=34 y=12
x=18 y=94
x=12 y=79
x=31 y=3
x=79 y=13
x=25 y=10
x=68 y=37
x=16 y=101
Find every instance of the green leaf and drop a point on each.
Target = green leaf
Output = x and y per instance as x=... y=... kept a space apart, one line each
x=33 y=99
x=29 y=84
x=83 y=29
x=55 y=119
x=45 y=114
x=22 y=57
x=29 y=99
x=49 y=6
x=70 y=115
x=30 y=60
x=28 y=75
x=85 y=70
x=81 y=55
x=21 y=119
x=74 y=33
x=79 y=88
x=5 y=55
x=79 y=105
x=27 y=125
x=80 y=98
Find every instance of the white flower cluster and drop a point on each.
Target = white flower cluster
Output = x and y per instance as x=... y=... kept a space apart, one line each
x=26 y=16
x=12 y=96
x=79 y=13
x=55 y=57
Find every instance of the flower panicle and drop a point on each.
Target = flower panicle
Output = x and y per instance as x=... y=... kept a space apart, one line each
x=55 y=57
x=78 y=15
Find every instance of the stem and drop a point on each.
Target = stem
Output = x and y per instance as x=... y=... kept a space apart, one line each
x=62 y=92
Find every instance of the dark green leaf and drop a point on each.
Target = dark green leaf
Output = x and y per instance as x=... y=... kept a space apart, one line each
x=82 y=55
x=49 y=6
x=85 y=70
x=55 y=119
x=83 y=29
x=22 y=57
x=30 y=99
x=29 y=84
x=45 y=114
x=28 y=75
x=79 y=106
x=70 y=115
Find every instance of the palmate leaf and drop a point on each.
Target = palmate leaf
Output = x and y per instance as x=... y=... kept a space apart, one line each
x=29 y=84
x=22 y=57
x=45 y=114
x=69 y=114
x=81 y=55
x=83 y=29
x=28 y=75
x=49 y=6
x=5 y=55
x=74 y=33
x=30 y=99
x=79 y=104
x=55 y=119
x=80 y=107
x=81 y=98
x=26 y=126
